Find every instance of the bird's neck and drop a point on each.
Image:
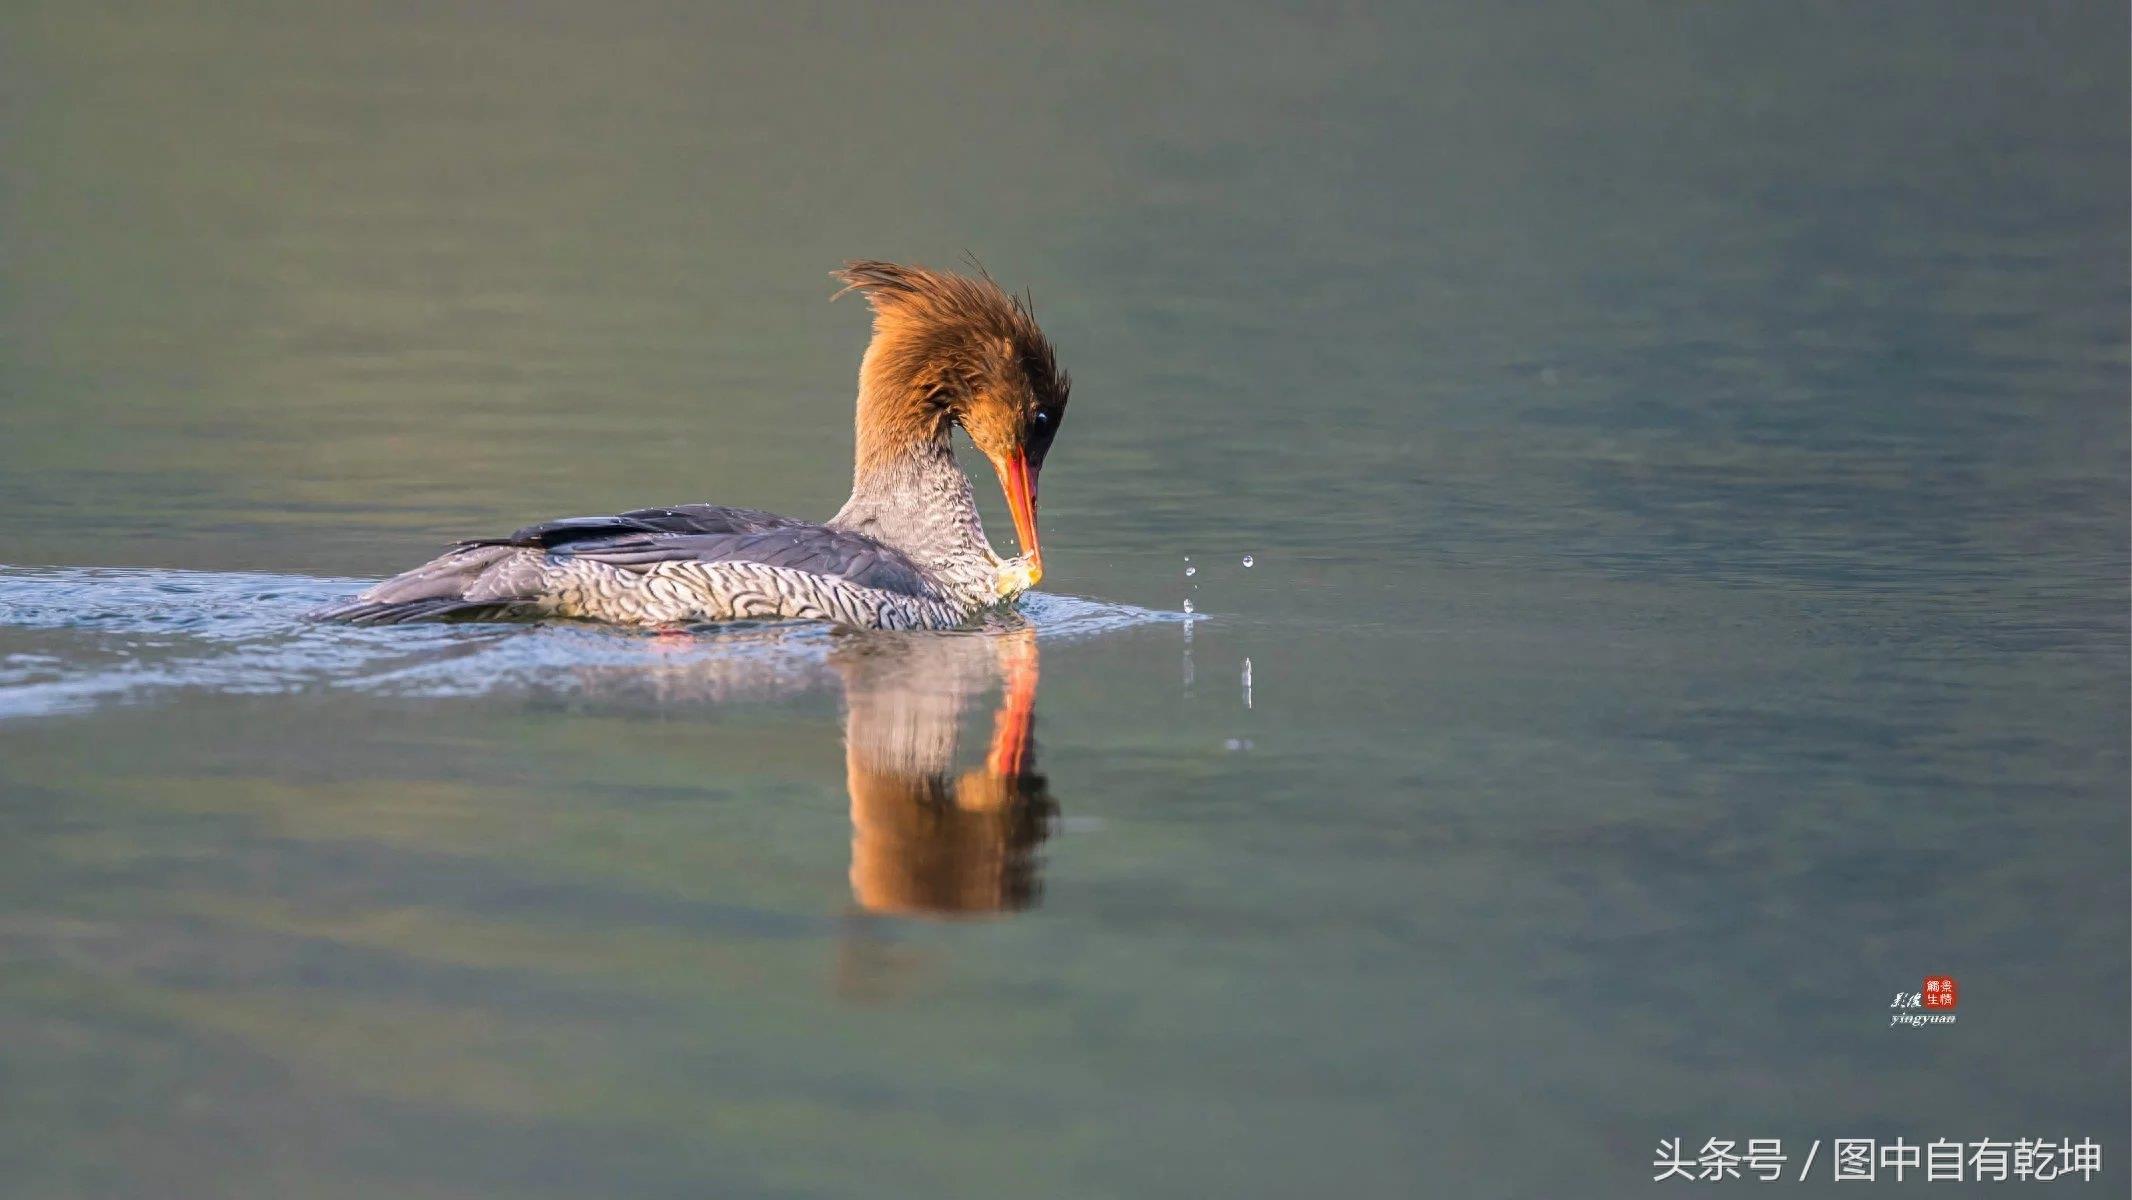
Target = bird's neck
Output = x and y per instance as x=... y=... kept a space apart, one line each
x=916 y=499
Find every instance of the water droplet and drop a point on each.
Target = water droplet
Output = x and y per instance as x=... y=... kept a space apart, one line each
x=1188 y=605
x=1190 y=571
x=1247 y=560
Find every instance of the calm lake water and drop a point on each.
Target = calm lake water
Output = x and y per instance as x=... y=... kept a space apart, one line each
x=1683 y=454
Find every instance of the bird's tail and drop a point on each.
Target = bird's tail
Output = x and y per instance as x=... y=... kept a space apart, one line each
x=458 y=584
x=373 y=612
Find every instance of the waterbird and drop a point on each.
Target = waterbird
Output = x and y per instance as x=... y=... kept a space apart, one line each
x=906 y=551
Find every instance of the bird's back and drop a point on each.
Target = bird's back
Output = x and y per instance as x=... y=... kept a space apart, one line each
x=655 y=566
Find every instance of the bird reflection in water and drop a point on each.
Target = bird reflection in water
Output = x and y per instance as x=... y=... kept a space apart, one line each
x=936 y=830
x=929 y=837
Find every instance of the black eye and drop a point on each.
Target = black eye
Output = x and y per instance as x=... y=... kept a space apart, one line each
x=1041 y=422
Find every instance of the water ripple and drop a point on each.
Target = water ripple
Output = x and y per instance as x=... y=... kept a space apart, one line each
x=126 y=635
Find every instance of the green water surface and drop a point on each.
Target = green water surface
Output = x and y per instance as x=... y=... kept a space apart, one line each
x=1682 y=451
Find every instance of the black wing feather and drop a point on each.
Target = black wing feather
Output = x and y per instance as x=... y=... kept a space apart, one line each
x=680 y=518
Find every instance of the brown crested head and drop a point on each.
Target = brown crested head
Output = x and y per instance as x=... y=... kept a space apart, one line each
x=953 y=349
